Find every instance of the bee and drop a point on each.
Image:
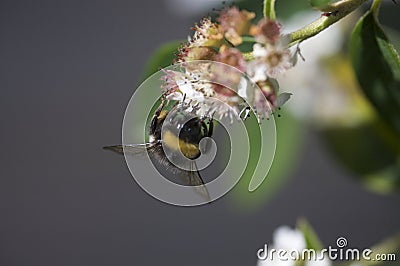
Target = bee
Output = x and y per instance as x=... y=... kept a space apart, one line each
x=191 y=130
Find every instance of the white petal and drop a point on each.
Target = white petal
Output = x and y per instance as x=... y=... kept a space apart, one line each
x=175 y=96
x=185 y=87
x=242 y=91
x=259 y=50
x=257 y=71
x=273 y=259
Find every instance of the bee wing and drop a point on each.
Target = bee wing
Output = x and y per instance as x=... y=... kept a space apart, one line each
x=132 y=149
x=194 y=179
x=191 y=177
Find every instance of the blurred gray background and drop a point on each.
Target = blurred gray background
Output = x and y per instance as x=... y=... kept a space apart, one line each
x=67 y=71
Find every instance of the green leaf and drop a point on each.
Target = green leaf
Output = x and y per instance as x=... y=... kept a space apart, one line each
x=312 y=240
x=370 y=150
x=394 y=37
x=269 y=9
x=377 y=67
x=359 y=138
x=162 y=57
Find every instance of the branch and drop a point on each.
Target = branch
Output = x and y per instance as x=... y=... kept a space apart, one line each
x=269 y=9
x=333 y=13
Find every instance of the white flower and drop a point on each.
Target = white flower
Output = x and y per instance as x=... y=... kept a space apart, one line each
x=259 y=50
x=187 y=88
x=245 y=90
x=292 y=241
x=220 y=109
x=289 y=239
x=197 y=91
x=270 y=61
x=257 y=71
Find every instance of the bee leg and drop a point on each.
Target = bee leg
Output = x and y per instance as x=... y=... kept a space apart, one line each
x=211 y=127
x=205 y=129
x=159 y=109
x=208 y=131
x=154 y=120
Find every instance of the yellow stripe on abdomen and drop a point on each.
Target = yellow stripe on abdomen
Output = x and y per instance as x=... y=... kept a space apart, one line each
x=190 y=150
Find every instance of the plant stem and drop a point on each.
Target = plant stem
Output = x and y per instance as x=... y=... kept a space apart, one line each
x=269 y=9
x=334 y=13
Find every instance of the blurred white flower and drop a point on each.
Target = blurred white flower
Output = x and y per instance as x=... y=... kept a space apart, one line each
x=289 y=239
x=270 y=61
x=317 y=95
x=259 y=50
x=293 y=242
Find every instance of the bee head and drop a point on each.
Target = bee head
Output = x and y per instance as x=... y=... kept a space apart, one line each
x=186 y=125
